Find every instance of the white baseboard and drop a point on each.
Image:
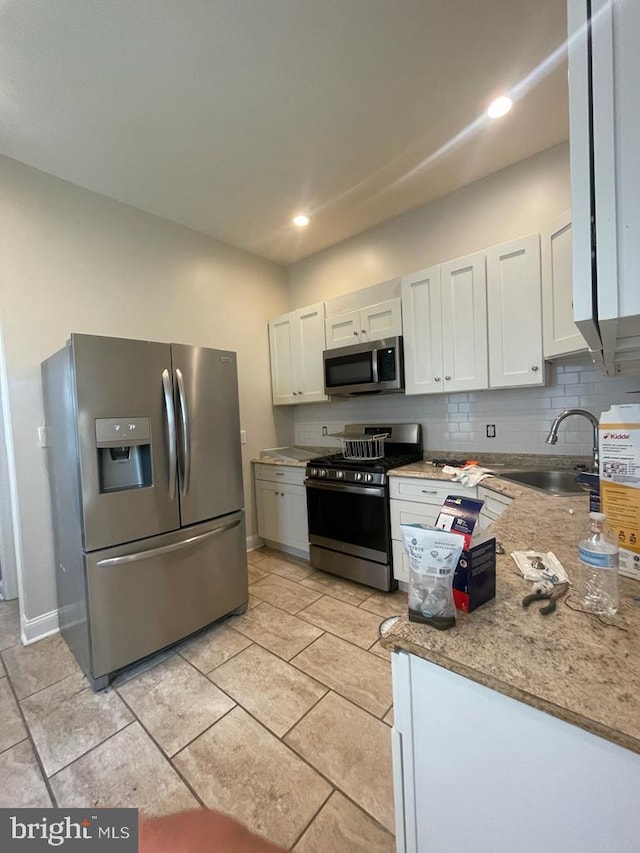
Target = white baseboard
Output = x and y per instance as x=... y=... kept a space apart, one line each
x=40 y=627
x=254 y=542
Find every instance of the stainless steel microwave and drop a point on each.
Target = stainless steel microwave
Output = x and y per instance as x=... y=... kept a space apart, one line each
x=371 y=368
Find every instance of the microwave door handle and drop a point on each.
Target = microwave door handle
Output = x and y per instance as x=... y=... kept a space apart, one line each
x=374 y=365
x=171 y=430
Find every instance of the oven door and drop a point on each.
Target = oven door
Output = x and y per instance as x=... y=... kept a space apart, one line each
x=349 y=519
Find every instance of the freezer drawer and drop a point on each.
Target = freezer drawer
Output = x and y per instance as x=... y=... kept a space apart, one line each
x=148 y=595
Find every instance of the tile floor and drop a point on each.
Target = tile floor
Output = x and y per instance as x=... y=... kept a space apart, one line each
x=279 y=717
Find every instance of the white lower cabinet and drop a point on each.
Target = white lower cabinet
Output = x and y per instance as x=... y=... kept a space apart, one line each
x=494 y=505
x=416 y=501
x=475 y=771
x=281 y=507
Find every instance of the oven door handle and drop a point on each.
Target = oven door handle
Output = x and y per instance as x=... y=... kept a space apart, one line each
x=372 y=491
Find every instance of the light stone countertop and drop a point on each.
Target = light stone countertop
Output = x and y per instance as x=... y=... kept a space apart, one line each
x=574 y=665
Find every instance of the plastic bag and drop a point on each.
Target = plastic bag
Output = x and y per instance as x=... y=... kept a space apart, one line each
x=433 y=557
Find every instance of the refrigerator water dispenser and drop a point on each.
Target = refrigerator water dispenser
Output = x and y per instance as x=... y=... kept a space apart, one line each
x=124 y=453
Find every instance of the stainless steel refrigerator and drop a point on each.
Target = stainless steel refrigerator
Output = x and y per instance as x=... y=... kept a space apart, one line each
x=143 y=452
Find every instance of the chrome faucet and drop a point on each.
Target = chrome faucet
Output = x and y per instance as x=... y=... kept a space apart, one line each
x=552 y=438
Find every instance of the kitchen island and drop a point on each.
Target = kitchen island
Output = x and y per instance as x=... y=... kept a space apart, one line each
x=513 y=731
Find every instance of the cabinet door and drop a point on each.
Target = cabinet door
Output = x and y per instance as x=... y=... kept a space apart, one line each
x=464 y=323
x=282 y=333
x=560 y=334
x=383 y=320
x=308 y=366
x=295 y=526
x=269 y=510
x=515 y=313
x=343 y=329
x=422 y=325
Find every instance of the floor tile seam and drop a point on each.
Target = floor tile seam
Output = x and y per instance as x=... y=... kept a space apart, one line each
x=46 y=687
x=365 y=812
x=317 y=812
x=333 y=634
x=231 y=657
x=12 y=646
x=295 y=612
x=258 y=720
x=334 y=597
x=335 y=785
x=344 y=698
x=36 y=754
x=163 y=754
x=22 y=740
x=333 y=689
x=91 y=748
x=288 y=660
x=319 y=683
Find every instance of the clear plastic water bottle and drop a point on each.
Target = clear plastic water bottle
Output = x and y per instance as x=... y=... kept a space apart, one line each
x=598 y=552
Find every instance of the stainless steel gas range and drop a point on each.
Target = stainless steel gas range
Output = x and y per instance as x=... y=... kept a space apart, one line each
x=348 y=502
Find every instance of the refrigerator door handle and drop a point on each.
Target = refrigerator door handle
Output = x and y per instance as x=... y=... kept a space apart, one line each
x=186 y=434
x=171 y=430
x=167 y=549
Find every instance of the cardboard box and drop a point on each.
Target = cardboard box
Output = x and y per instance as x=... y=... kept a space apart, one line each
x=619 y=445
x=474 y=581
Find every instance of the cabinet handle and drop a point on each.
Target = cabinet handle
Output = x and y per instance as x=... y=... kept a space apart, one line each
x=534 y=368
x=363 y=331
x=436 y=379
x=429 y=491
x=279 y=473
x=355 y=333
x=447 y=378
x=299 y=392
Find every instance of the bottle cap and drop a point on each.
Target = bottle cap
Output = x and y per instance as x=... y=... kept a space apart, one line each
x=597 y=516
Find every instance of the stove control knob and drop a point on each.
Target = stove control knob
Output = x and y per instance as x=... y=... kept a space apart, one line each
x=313 y=472
x=339 y=475
x=322 y=472
x=358 y=476
x=368 y=478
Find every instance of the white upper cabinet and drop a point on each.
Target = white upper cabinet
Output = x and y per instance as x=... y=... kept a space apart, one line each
x=445 y=327
x=515 y=313
x=296 y=344
x=604 y=125
x=464 y=323
x=372 y=323
x=422 y=312
x=560 y=334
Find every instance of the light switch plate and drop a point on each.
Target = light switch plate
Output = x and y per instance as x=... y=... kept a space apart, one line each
x=243 y=436
x=42 y=436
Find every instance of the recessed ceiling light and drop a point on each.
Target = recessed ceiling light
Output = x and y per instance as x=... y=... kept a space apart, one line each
x=500 y=107
x=301 y=220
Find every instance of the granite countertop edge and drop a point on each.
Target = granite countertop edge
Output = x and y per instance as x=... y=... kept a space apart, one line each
x=617 y=736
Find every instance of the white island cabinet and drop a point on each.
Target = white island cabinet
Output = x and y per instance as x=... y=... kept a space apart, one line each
x=476 y=771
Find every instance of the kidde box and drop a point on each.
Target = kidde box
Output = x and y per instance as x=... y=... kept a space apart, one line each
x=619 y=445
x=474 y=581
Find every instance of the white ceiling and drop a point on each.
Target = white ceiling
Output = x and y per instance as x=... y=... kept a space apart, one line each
x=229 y=116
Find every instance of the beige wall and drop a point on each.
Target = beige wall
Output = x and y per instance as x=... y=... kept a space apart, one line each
x=74 y=261
x=509 y=204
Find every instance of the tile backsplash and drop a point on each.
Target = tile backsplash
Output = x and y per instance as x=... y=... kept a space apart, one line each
x=458 y=422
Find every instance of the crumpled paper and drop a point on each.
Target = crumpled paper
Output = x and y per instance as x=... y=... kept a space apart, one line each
x=470 y=475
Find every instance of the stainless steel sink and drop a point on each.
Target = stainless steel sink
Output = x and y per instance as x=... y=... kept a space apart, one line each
x=559 y=483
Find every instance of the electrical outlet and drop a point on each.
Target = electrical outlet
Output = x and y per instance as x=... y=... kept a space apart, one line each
x=325 y=431
x=491 y=430
x=243 y=436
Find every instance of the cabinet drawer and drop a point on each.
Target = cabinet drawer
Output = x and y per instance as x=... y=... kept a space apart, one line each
x=494 y=503
x=280 y=474
x=409 y=512
x=427 y=491
x=400 y=562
